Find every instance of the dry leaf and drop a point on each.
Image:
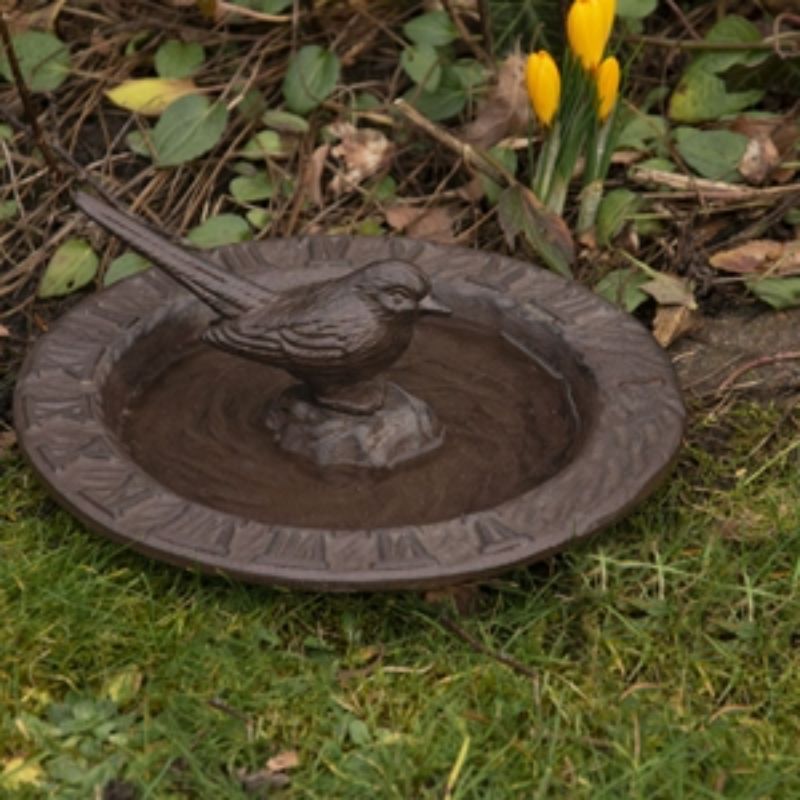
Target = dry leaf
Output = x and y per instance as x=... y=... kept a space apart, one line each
x=759 y=159
x=288 y=759
x=506 y=109
x=433 y=224
x=760 y=256
x=364 y=151
x=670 y=323
x=4 y=332
x=772 y=141
x=670 y=290
x=150 y=96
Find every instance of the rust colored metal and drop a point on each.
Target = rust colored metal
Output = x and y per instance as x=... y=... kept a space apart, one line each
x=560 y=412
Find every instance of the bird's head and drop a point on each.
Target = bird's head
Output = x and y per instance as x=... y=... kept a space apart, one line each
x=398 y=287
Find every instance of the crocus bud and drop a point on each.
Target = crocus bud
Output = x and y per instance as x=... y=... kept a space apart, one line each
x=588 y=28
x=607 y=86
x=544 y=85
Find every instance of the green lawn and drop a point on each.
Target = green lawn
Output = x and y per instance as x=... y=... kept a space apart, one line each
x=666 y=656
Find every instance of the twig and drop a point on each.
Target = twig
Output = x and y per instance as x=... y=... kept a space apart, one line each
x=66 y=157
x=710 y=190
x=25 y=97
x=471 y=155
x=244 y=11
x=761 y=361
x=486 y=27
x=477 y=50
x=512 y=663
x=768 y=43
x=684 y=20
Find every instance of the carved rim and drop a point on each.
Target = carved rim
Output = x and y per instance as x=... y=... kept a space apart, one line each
x=635 y=435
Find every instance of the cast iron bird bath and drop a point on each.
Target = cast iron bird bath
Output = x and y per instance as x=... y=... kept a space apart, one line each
x=532 y=416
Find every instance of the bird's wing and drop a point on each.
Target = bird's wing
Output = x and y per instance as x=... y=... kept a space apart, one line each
x=305 y=340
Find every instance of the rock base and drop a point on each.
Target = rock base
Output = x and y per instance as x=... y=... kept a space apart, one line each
x=403 y=429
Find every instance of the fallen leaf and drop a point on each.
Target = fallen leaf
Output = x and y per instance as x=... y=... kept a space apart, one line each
x=748 y=257
x=670 y=290
x=364 y=151
x=759 y=159
x=150 y=96
x=4 y=332
x=670 y=323
x=506 y=109
x=775 y=141
x=432 y=224
x=288 y=759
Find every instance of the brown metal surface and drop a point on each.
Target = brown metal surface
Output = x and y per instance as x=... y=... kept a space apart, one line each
x=591 y=415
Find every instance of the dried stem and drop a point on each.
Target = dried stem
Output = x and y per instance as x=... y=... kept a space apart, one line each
x=25 y=97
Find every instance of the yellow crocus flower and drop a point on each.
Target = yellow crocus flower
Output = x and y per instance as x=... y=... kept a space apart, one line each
x=544 y=85
x=607 y=86
x=588 y=28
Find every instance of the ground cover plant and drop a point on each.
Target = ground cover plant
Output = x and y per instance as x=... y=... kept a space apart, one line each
x=659 y=660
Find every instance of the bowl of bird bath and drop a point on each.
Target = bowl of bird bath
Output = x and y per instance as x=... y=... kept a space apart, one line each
x=546 y=414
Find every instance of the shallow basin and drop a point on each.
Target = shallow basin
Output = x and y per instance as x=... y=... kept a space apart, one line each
x=560 y=414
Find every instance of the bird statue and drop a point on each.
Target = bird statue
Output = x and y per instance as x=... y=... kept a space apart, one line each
x=335 y=336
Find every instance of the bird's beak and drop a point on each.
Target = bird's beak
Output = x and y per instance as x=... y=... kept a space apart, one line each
x=430 y=306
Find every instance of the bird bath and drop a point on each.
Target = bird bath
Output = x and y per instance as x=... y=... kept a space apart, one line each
x=559 y=412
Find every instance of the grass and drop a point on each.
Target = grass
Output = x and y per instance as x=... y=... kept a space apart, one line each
x=665 y=655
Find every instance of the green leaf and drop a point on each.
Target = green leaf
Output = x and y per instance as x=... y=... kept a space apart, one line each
x=72 y=266
x=385 y=189
x=43 y=60
x=615 y=209
x=641 y=131
x=285 y=121
x=370 y=227
x=140 y=143
x=712 y=154
x=444 y=103
x=259 y=218
x=249 y=188
x=635 y=9
x=731 y=29
x=262 y=145
x=468 y=72
x=176 y=59
x=6 y=134
x=220 y=230
x=8 y=210
x=780 y=293
x=421 y=63
x=122 y=266
x=189 y=128
x=434 y=28
x=312 y=75
x=623 y=288
x=701 y=96
x=358 y=732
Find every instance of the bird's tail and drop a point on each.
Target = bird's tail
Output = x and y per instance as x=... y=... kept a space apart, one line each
x=228 y=294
